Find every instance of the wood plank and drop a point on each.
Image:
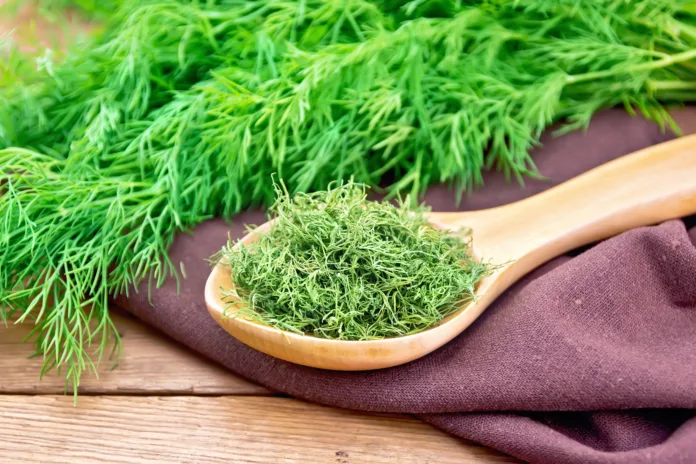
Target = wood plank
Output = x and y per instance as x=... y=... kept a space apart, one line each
x=149 y=364
x=49 y=429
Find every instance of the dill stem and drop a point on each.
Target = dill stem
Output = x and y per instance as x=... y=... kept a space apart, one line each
x=663 y=63
x=676 y=95
x=684 y=28
x=671 y=85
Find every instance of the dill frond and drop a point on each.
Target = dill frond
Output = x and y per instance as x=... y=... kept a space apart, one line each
x=176 y=111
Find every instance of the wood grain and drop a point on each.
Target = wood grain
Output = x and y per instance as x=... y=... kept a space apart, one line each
x=50 y=429
x=149 y=364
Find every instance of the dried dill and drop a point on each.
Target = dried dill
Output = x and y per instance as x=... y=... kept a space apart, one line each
x=335 y=265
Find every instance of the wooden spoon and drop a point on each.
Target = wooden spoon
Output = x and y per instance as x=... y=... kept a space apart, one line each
x=647 y=187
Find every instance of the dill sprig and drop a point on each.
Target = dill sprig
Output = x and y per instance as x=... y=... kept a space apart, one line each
x=335 y=265
x=176 y=111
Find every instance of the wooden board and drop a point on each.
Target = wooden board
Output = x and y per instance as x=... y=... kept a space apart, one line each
x=49 y=429
x=123 y=428
x=149 y=364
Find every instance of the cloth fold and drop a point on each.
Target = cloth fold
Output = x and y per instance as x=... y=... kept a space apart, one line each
x=591 y=358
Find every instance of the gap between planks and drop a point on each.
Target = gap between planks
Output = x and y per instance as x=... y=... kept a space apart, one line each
x=148 y=430
x=150 y=364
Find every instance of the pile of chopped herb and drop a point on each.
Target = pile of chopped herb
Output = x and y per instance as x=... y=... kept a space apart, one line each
x=335 y=265
x=176 y=111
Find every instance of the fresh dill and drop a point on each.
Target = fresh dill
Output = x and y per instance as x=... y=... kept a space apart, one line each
x=177 y=111
x=334 y=265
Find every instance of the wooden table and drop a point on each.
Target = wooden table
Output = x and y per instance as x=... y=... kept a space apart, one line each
x=165 y=404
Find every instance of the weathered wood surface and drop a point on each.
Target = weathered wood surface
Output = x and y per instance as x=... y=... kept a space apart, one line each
x=161 y=404
x=49 y=429
x=149 y=364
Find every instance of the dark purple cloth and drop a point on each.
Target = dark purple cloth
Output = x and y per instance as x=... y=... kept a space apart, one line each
x=589 y=359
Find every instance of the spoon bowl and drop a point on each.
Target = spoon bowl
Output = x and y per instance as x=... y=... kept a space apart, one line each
x=644 y=188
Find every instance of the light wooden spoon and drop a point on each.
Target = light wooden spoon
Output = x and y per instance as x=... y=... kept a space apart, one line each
x=647 y=187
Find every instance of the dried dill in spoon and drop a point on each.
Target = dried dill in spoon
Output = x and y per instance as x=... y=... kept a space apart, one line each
x=335 y=265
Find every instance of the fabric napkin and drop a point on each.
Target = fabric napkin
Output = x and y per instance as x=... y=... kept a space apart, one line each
x=589 y=359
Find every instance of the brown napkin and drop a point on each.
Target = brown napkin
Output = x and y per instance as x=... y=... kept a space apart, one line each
x=590 y=359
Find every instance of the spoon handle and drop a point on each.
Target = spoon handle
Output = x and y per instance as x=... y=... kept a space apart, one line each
x=646 y=187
